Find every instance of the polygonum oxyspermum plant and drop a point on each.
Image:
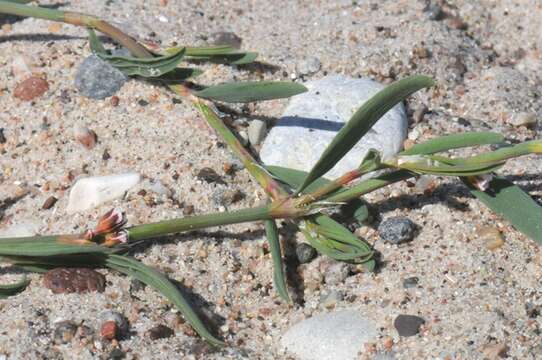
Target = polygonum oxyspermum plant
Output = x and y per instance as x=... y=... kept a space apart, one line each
x=303 y=198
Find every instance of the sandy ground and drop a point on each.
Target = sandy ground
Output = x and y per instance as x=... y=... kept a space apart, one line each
x=486 y=57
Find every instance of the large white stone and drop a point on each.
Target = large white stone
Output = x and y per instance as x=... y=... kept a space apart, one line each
x=312 y=119
x=338 y=335
x=90 y=192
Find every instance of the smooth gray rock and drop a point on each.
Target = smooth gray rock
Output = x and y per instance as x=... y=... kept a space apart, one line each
x=338 y=335
x=97 y=79
x=312 y=119
x=256 y=131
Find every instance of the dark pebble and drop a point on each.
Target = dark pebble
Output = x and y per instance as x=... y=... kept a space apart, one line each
x=106 y=155
x=435 y=12
x=69 y=280
x=3 y=139
x=136 y=285
x=142 y=102
x=408 y=325
x=411 y=282
x=159 y=332
x=188 y=209
x=305 y=253
x=115 y=354
x=397 y=230
x=64 y=332
x=226 y=38
x=227 y=197
x=532 y=310
x=209 y=175
x=97 y=79
x=49 y=203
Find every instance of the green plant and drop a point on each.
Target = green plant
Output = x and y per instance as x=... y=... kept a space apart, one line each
x=299 y=197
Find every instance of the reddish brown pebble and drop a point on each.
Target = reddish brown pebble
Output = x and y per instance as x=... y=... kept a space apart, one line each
x=30 y=88
x=109 y=330
x=69 y=280
x=85 y=136
x=49 y=203
x=115 y=100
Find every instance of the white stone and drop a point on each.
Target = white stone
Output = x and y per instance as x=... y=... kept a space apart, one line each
x=256 y=131
x=312 y=119
x=90 y=192
x=29 y=227
x=338 y=335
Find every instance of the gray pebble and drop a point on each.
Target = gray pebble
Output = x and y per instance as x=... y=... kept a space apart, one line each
x=397 y=230
x=411 y=282
x=408 y=325
x=305 y=253
x=435 y=12
x=226 y=197
x=256 y=131
x=64 y=332
x=331 y=299
x=97 y=79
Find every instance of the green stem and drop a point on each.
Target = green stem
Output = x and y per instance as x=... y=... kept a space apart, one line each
x=77 y=19
x=162 y=228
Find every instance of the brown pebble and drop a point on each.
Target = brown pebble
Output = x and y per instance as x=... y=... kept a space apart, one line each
x=419 y=114
x=49 y=203
x=85 y=136
x=54 y=27
x=109 y=330
x=159 y=332
x=457 y=23
x=115 y=100
x=494 y=351
x=106 y=156
x=491 y=236
x=188 y=209
x=30 y=88
x=70 y=280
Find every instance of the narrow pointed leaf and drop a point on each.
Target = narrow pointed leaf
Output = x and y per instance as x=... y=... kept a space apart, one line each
x=179 y=75
x=505 y=153
x=427 y=164
x=223 y=54
x=454 y=141
x=14 y=288
x=151 y=67
x=162 y=284
x=513 y=204
x=362 y=121
x=279 y=279
x=48 y=246
x=242 y=92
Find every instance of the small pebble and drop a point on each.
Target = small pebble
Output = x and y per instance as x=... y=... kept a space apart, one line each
x=331 y=299
x=159 y=332
x=525 y=119
x=419 y=114
x=411 y=282
x=136 y=285
x=209 y=175
x=49 y=203
x=226 y=197
x=435 y=12
x=115 y=100
x=490 y=236
x=408 y=325
x=113 y=324
x=226 y=38
x=70 y=280
x=308 y=66
x=116 y=354
x=3 y=139
x=64 y=332
x=533 y=311
x=256 y=131
x=85 y=136
x=188 y=209
x=397 y=230
x=97 y=79
x=305 y=253
x=494 y=351
x=458 y=23
x=31 y=88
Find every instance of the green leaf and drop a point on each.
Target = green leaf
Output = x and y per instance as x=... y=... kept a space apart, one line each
x=279 y=279
x=179 y=75
x=222 y=54
x=158 y=281
x=454 y=141
x=334 y=240
x=48 y=246
x=362 y=121
x=436 y=165
x=151 y=67
x=513 y=204
x=505 y=153
x=13 y=289
x=242 y=92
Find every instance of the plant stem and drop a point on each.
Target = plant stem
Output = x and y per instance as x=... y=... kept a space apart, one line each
x=77 y=19
x=162 y=228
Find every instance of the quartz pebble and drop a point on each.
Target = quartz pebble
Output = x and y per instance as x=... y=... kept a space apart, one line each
x=525 y=119
x=312 y=120
x=256 y=131
x=64 y=332
x=85 y=136
x=90 y=192
x=70 y=280
x=491 y=237
x=338 y=335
